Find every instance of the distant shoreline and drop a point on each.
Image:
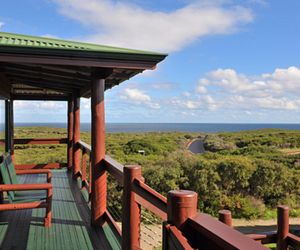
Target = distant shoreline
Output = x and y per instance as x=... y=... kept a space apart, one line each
x=173 y=127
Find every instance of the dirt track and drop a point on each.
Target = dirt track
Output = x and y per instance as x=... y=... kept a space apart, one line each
x=255 y=226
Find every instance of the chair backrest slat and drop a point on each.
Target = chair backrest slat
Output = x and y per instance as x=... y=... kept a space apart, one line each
x=9 y=175
x=11 y=169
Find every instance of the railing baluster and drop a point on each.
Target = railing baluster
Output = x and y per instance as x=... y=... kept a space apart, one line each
x=84 y=158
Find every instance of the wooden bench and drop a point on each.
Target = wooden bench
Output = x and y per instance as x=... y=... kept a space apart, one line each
x=24 y=196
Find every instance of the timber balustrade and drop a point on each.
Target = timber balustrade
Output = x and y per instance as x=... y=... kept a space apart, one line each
x=39 y=141
x=282 y=237
x=184 y=226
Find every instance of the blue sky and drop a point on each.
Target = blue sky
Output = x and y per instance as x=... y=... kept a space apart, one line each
x=229 y=61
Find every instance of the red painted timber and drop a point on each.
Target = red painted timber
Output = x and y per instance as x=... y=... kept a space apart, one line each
x=282 y=227
x=40 y=166
x=222 y=236
x=85 y=146
x=182 y=204
x=36 y=171
x=48 y=217
x=21 y=206
x=98 y=171
x=178 y=235
x=131 y=211
x=264 y=238
x=70 y=134
x=40 y=141
x=294 y=241
x=150 y=199
x=114 y=168
x=225 y=217
x=24 y=187
x=83 y=174
x=110 y=220
x=76 y=138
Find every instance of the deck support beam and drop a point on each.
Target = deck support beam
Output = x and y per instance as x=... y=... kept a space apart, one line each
x=76 y=137
x=98 y=184
x=70 y=133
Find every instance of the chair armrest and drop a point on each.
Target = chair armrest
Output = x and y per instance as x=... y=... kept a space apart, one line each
x=36 y=171
x=24 y=187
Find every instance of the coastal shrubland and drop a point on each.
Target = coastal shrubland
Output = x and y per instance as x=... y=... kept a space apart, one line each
x=247 y=172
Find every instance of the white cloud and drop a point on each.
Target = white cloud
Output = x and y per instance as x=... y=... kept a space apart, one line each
x=123 y=24
x=85 y=103
x=137 y=96
x=186 y=94
x=201 y=89
x=163 y=86
x=40 y=105
x=1 y=24
x=277 y=90
x=192 y=104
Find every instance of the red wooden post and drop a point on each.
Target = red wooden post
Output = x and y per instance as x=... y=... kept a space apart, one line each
x=98 y=183
x=84 y=157
x=282 y=227
x=131 y=210
x=182 y=204
x=76 y=138
x=225 y=217
x=70 y=134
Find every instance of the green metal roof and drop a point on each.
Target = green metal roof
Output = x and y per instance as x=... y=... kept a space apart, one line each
x=24 y=41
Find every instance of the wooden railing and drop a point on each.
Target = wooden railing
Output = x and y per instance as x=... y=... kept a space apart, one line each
x=282 y=237
x=184 y=227
x=39 y=141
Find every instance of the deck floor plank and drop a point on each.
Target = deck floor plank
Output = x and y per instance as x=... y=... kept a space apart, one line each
x=23 y=229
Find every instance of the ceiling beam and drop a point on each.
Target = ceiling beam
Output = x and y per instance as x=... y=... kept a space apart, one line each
x=44 y=85
x=45 y=71
x=40 y=77
x=39 y=97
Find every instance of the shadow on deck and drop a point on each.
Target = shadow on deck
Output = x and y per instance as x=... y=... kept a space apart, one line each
x=70 y=229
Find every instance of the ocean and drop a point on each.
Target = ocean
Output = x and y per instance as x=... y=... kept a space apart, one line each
x=170 y=127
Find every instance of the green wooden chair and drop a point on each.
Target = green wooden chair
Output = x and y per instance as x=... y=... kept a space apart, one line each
x=24 y=196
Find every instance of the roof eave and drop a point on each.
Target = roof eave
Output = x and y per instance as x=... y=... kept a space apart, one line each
x=153 y=58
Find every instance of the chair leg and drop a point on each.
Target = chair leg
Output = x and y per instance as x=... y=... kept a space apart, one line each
x=48 y=216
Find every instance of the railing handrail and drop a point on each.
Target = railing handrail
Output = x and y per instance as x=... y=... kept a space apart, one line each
x=115 y=168
x=221 y=235
x=211 y=230
x=40 y=140
x=293 y=241
x=84 y=145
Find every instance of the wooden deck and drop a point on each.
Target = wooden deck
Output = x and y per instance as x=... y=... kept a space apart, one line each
x=70 y=224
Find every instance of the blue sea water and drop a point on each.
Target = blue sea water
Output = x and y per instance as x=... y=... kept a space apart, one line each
x=168 y=127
